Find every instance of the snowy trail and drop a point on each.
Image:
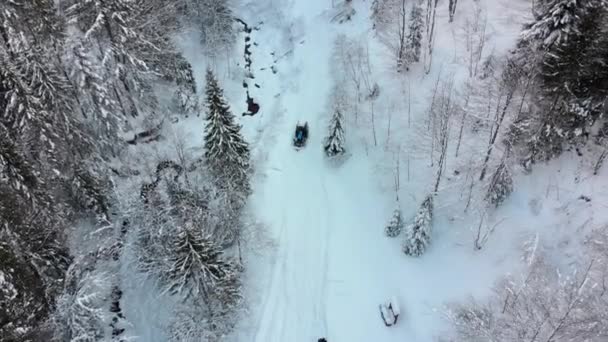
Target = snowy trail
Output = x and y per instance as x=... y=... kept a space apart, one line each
x=324 y=282
x=297 y=204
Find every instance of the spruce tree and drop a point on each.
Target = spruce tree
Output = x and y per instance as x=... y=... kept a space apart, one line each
x=226 y=150
x=334 y=143
x=501 y=185
x=196 y=265
x=568 y=40
x=395 y=225
x=414 y=37
x=418 y=233
x=556 y=22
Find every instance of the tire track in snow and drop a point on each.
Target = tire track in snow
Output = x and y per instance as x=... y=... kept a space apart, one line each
x=326 y=238
x=296 y=298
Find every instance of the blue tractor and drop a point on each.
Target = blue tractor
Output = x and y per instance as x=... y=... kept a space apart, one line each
x=301 y=135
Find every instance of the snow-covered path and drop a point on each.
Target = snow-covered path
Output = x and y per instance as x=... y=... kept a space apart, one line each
x=323 y=271
x=294 y=307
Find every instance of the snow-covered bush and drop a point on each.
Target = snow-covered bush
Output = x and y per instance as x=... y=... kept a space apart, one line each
x=395 y=225
x=82 y=310
x=418 y=234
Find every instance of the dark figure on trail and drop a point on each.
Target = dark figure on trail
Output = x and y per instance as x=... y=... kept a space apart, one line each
x=301 y=134
x=252 y=107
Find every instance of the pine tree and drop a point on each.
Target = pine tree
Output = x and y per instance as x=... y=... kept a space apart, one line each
x=185 y=98
x=196 y=264
x=334 y=143
x=226 y=151
x=501 y=185
x=112 y=24
x=418 y=234
x=92 y=86
x=414 y=37
x=395 y=226
x=557 y=21
x=22 y=111
x=16 y=169
x=568 y=42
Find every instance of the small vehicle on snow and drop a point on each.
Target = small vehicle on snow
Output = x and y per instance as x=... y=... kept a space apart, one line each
x=390 y=312
x=301 y=135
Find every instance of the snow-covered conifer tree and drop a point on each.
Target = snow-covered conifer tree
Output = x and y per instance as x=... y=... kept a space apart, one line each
x=557 y=20
x=82 y=314
x=414 y=37
x=501 y=185
x=91 y=83
x=196 y=266
x=185 y=98
x=334 y=143
x=226 y=150
x=395 y=225
x=418 y=233
x=567 y=44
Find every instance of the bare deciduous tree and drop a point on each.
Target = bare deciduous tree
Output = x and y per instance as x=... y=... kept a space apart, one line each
x=547 y=305
x=431 y=12
x=452 y=9
x=475 y=37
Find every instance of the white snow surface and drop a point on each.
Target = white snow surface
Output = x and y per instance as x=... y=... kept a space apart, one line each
x=326 y=264
x=333 y=265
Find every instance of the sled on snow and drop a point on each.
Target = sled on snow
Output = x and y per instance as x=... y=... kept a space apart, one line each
x=300 y=135
x=390 y=312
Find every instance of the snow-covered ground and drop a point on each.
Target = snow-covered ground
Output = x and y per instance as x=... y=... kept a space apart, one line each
x=329 y=264
x=333 y=265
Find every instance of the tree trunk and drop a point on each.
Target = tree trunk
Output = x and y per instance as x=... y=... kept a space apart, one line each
x=374 y=125
x=464 y=116
x=430 y=35
x=495 y=133
x=452 y=9
x=402 y=25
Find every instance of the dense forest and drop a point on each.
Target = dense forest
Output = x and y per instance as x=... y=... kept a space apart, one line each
x=79 y=79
